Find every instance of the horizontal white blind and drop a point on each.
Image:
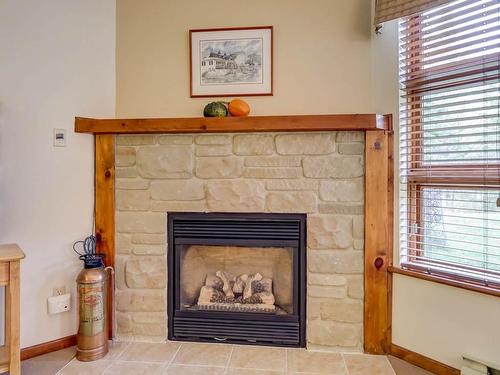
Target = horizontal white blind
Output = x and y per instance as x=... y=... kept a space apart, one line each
x=450 y=141
x=386 y=10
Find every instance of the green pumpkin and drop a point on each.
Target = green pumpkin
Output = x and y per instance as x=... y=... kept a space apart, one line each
x=215 y=109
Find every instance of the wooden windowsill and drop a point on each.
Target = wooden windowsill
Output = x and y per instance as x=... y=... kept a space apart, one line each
x=446 y=281
x=290 y=123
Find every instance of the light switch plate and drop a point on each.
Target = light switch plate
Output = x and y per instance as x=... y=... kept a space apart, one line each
x=59 y=137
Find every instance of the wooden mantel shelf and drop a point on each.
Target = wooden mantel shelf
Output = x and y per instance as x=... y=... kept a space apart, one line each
x=292 y=123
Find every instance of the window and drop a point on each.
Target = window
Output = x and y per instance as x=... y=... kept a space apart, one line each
x=450 y=141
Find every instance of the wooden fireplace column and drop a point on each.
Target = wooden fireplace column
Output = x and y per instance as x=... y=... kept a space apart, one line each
x=378 y=192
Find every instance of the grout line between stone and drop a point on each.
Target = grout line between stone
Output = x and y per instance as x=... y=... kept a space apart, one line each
x=62 y=368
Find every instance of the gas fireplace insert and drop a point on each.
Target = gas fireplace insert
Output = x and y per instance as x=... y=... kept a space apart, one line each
x=237 y=277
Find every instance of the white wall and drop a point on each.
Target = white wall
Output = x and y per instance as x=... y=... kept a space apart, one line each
x=438 y=321
x=57 y=60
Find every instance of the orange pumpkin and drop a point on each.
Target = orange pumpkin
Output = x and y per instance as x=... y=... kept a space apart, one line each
x=238 y=107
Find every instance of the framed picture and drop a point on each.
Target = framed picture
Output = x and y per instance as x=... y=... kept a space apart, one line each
x=231 y=62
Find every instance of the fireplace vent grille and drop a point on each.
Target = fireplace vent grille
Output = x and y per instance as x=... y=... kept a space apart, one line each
x=244 y=229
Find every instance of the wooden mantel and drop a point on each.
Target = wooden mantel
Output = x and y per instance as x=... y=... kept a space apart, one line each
x=378 y=190
x=361 y=122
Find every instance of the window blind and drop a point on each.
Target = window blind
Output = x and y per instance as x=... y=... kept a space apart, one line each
x=386 y=10
x=450 y=141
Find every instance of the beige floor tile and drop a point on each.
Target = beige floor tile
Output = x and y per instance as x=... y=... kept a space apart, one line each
x=48 y=364
x=76 y=367
x=363 y=364
x=262 y=358
x=301 y=360
x=194 y=370
x=404 y=368
x=133 y=368
x=246 y=371
x=116 y=349
x=147 y=352
x=203 y=354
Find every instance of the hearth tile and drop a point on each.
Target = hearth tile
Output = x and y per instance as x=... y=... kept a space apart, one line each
x=247 y=371
x=148 y=352
x=363 y=364
x=203 y=354
x=76 y=367
x=116 y=349
x=194 y=370
x=133 y=368
x=301 y=360
x=258 y=358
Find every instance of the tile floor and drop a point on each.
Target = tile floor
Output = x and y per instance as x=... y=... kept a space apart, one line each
x=174 y=358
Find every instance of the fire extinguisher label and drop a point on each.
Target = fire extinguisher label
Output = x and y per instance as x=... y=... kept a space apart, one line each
x=91 y=309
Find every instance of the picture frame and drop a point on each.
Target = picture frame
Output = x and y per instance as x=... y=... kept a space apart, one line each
x=235 y=61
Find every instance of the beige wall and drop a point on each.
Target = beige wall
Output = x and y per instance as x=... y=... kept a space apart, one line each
x=57 y=61
x=321 y=60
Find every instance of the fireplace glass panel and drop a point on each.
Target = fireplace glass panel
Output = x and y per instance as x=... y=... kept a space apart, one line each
x=236 y=279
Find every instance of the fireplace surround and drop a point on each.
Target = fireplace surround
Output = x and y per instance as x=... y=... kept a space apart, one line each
x=205 y=248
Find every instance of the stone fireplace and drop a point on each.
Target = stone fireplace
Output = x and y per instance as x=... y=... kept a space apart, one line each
x=318 y=174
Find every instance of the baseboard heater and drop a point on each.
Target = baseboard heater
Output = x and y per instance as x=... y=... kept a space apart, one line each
x=474 y=366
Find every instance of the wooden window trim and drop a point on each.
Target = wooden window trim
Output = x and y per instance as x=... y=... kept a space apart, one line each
x=454 y=281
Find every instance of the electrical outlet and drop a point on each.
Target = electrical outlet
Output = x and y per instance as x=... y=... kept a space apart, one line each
x=59 y=291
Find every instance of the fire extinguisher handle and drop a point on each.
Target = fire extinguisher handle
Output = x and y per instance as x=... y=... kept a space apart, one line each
x=112 y=322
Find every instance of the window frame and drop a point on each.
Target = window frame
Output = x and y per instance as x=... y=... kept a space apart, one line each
x=466 y=176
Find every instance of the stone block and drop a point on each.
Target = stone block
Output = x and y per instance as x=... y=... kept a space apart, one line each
x=297 y=201
x=351 y=148
x=133 y=200
x=123 y=243
x=253 y=144
x=155 y=330
x=341 y=208
x=342 y=311
x=260 y=172
x=169 y=161
x=135 y=140
x=213 y=139
x=330 y=333
x=213 y=150
x=237 y=195
x=140 y=300
x=305 y=144
x=351 y=190
x=355 y=287
x=219 y=167
x=288 y=184
x=350 y=136
x=120 y=261
x=358 y=244
x=131 y=184
x=146 y=249
x=326 y=279
x=335 y=261
x=177 y=190
x=146 y=272
x=148 y=239
x=329 y=232
x=358 y=227
x=126 y=172
x=140 y=222
x=149 y=318
x=322 y=291
x=273 y=161
x=333 y=166
x=123 y=322
x=175 y=139
x=186 y=206
x=125 y=156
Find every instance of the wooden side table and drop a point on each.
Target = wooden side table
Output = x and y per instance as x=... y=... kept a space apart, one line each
x=10 y=353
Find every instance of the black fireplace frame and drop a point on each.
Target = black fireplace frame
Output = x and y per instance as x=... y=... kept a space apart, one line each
x=231 y=229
